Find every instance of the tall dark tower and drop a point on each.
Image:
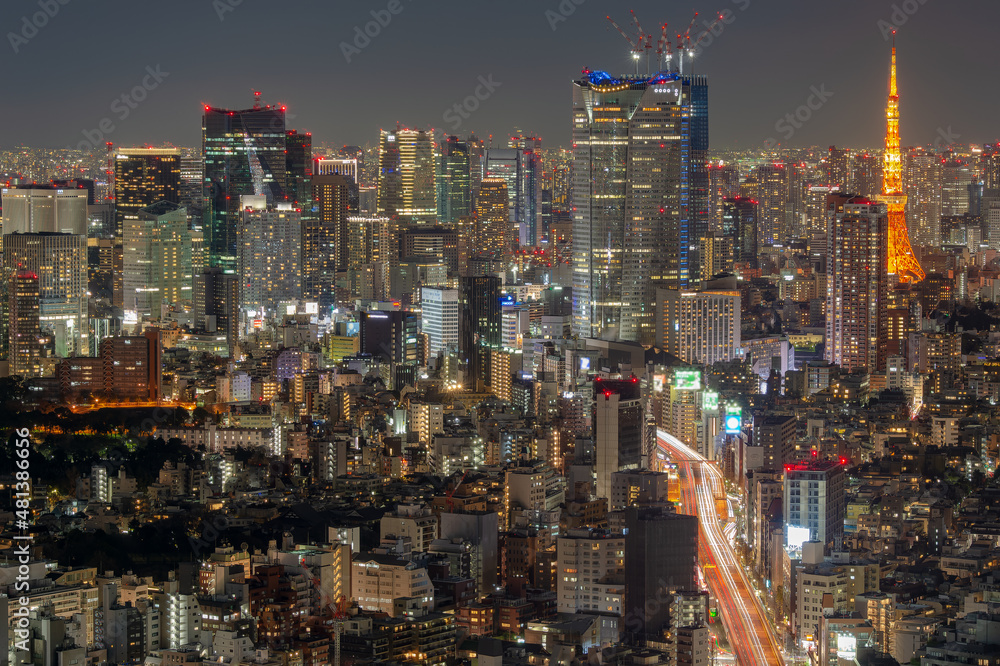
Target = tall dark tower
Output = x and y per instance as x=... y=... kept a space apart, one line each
x=244 y=154
x=298 y=169
x=326 y=246
x=455 y=183
x=661 y=556
x=739 y=223
x=479 y=325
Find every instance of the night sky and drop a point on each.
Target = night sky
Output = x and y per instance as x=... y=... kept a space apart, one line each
x=65 y=78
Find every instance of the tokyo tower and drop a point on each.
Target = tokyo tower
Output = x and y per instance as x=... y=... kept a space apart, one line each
x=902 y=263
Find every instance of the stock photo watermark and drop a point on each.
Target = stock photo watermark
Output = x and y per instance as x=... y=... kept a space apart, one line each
x=122 y=107
x=223 y=7
x=463 y=110
x=23 y=538
x=363 y=35
x=791 y=122
x=31 y=24
x=946 y=138
x=562 y=13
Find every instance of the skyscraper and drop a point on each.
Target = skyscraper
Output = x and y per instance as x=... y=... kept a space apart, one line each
x=326 y=245
x=632 y=222
x=157 y=258
x=922 y=178
x=44 y=209
x=216 y=303
x=407 y=171
x=23 y=324
x=619 y=419
x=772 y=195
x=60 y=262
x=298 y=169
x=269 y=264
x=724 y=183
x=492 y=236
x=244 y=155
x=902 y=263
x=454 y=182
x=143 y=177
x=480 y=330
x=739 y=222
x=857 y=283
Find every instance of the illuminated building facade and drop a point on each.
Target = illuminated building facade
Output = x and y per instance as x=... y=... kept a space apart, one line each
x=157 y=258
x=143 y=177
x=698 y=327
x=23 y=325
x=60 y=262
x=406 y=179
x=739 y=222
x=492 y=235
x=269 y=265
x=244 y=154
x=857 y=284
x=635 y=144
x=454 y=181
x=326 y=242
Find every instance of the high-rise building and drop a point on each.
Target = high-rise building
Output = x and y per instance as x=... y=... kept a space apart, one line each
x=157 y=258
x=492 y=235
x=619 y=420
x=857 y=283
x=326 y=240
x=60 y=262
x=454 y=182
x=814 y=499
x=956 y=178
x=406 y=180
x=269 y=266
x=298 y=169
x=661 y=557
x=902 y=263
x=724 y=183
x=32 y=209
x=439 y=318
x=634 y=153
x=480 y=329
x=773 y=210
x=866 y=176
x=23 y=317
x=739 y=222
x=217 y=304
x=244 y=154
x=922 y=178
x=699 y=327
x=143 y=177
x=838 y=168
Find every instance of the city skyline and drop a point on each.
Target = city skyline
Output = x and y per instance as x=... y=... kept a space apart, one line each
x=838 y=54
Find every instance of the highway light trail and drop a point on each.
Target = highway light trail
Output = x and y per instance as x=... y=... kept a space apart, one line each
x=742 y=613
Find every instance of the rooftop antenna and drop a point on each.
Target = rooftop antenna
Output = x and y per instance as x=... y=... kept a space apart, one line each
x=256 y=99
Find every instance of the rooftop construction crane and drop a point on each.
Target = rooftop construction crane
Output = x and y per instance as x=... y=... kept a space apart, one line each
x=664 y=49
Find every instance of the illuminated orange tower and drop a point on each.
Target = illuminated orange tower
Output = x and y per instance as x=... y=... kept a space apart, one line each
x=902 y=263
